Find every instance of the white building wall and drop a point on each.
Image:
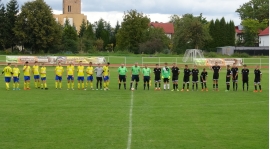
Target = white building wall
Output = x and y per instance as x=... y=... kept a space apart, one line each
x=264 y=41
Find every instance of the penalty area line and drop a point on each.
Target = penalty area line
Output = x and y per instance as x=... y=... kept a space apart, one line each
x=130 y=122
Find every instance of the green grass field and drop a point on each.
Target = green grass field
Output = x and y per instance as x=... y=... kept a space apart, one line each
x=62 y=119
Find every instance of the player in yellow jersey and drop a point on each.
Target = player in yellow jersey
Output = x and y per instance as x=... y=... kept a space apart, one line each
x=43 y=77
x=89 y=72
x=70 y=76
x=8 y=74
x=58 y=76
x=26 y=72
x=35 y=71
x=80 y=70
x=106 y=74
x=16 y=77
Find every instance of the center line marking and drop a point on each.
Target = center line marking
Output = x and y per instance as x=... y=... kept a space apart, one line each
x=130 y=122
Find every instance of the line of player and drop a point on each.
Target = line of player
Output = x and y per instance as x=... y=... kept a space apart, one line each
x=102 y=74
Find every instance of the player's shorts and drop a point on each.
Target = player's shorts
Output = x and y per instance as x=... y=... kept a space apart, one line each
x=146 y=78
x=70 y=77
x=106 y=78
x=257 y=81
x=99 y=79
x=43 y=78
x=16 y=79
x=58 y=78
x=195 y=79
x=157 y=78
x=165 y=80
x=245 y=80
x=228 y=79
x=7 y=79
x=80 y=78
x=122 y=78
x=135 y=77
x=26 y=78
x=36 y=76
x=235 y=79
x=90 y=78
x=186 y=79
x=215 y=76
x=175 y=78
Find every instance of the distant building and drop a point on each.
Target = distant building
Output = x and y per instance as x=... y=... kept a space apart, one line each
x=72 y=12
x=239 y=34
x=167 y=27
x=264 y=38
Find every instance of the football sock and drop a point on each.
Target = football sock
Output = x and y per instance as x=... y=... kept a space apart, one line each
x=91 y=84
x=156 y=84
x=247 y=86
x=24 y=84
x=176 y=85
x=193 y=86
x=100 y=85
x=130 y=85
x=255 y=87
x=28 y=84
x=72 y=85
x=125 y=85
x=68 y=85
x=148 y=85
x=7 y=85
x=144 y=86
x=184 y=86
x=56 y=84
x=214 y=85
x=41 y=85
x=260 y=87
x=107 y=83
x=159 y=85
x=233 y=85
x=45 y=85
x=13 y=85
x=202 y=85
x=236 y=86
x=60 y=84
x=82 y=85
x=136 y=85
x=119 y=86
x=35 y=84
x=97 y=85
x=164 y=86
x=104 y=84
x=79 y=85
x=188 y=86
x=217 y=86
x=196 y=86
x=205 y=86
x=18 y=85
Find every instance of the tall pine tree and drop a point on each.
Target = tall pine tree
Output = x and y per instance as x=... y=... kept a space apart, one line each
x=3 y=28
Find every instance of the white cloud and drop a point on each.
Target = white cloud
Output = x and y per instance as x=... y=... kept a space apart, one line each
x=158 y=10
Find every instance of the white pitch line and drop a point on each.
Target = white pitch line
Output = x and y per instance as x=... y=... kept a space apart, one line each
x=130 y=122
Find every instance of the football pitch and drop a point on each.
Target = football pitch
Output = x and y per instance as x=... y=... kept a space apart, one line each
x=141 y=119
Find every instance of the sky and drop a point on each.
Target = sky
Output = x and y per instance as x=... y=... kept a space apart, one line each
x=157 y=10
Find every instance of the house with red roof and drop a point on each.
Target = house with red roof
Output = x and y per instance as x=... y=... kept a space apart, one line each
x=239 y=34
x=167 y=27
x=264 y=38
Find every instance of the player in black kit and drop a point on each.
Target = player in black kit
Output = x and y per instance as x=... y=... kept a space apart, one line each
x=175 y=74
x=186 y=78
x=228 y=77
x=203 y=80
x=245 y=73
x=234 y=70
x=216 y=70
x=195 y=78
x=157 y=72
x=258 y=78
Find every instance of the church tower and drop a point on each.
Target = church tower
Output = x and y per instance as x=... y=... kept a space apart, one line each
x=71 y=6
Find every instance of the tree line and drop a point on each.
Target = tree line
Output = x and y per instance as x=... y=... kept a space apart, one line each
x=35 y=29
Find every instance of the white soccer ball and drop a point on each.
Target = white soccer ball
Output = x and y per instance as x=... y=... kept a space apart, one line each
x=132 y=89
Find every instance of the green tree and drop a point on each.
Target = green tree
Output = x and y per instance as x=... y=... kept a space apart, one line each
x=231 y=33
x=132 y=28
x=69 y=38
x=36 y=28
x=222 y=32
x=114 y=33
x=11 y=18
x=251 y=31
x=254 y=9
x=191 y=32
x=81 y=35
x=3 y=28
